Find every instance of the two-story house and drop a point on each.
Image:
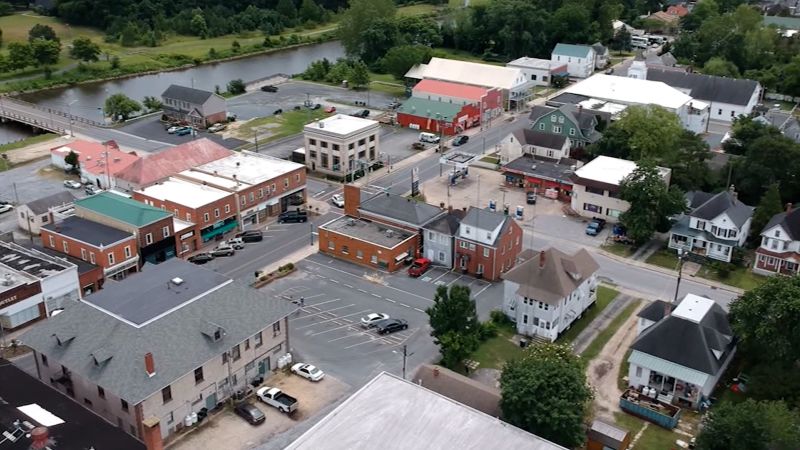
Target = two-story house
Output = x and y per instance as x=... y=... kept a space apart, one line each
x=714 y=226
x=116 y=251
x=601 y=55
x=578 y=124
x=779 y=252
x=549 y=290
x=537 y=144
x=152 y=350
x=487 y=243
x=194 y=106
x=580 y=59
x=439 y=237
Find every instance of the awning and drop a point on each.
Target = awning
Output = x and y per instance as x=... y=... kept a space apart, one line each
x=207 y=236
x=401 y=257
x=665 y=367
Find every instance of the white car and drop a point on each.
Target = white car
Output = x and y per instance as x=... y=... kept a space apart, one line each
x=236 y=243
x=308 y=371
x=72 y=184
x=5 y=208
x=370 y=320
x=338 y=200
x=172 y=130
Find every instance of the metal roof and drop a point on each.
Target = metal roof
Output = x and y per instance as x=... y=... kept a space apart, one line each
x=402 y=209
x=123 y=209
x=668 y=368
x=572 y=50
x=432 y=109
x=477 y=74
x=736 y=91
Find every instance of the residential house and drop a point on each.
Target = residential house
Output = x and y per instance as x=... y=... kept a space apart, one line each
x=340 y=145
x=481 y=103
x=787 y=123
x=715 y=225
x=114 y=250
x=32 y=215
x=33 y=285
x=525 y=141
x=99 y=162
x=553 y=179
x=601 y=55
x=779 y=252
x=596 y=187
x=539 y=72
x=154 y=349
x=442 y=118
x=667 y=22
x=548 y=291
x=642 y=62
x=677 y=10
x=487 y=244
x=684 y=352
x=580 y=59
x=198 y=108
x=439 y=237
x=577 y=124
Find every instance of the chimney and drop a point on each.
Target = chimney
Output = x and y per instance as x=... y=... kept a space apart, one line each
x=40 y=438
x=352 y=200
x=435 y=371
x=149 y=364
x=152 y=434
x=541 y=259
x=788 y=207
x=732 y=190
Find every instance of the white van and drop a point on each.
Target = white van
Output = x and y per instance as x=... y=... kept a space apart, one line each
x=429 y=137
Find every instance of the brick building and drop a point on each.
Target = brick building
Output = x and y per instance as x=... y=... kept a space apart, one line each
x=90 y=276
x=487 y=244
x=470 y=106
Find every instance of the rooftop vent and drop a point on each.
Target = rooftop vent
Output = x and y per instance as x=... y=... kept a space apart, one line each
x=177 y=281
x=533 y=167
x=8 y=280
x=351 y=222
x=321 y=125
x=389 y=233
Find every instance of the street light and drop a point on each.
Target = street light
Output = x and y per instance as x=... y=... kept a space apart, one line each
x=406 y=355
x=681 y=257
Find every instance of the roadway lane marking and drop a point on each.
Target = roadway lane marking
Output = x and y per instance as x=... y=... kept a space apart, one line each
x=334 y=281
x=376 y=295
x=390 y=300
x=417 y=309
x=403 y=304
x=348 y=285
x=363 y=291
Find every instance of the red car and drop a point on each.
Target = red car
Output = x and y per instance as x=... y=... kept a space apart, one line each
x=420 y=266
x=330 y=109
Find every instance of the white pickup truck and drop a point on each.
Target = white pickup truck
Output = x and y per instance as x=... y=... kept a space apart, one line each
x=277 y=399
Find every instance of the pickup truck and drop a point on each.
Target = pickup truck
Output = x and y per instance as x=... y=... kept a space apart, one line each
x=595 y=226
x=277 y=399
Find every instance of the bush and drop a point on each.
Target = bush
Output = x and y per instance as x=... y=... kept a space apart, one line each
x=723 y=270
x=498 y=317
x=487 y=331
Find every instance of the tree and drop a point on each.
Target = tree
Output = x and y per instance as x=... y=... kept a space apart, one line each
x=129 y=35
x=40 y=31
x=19 y=56
x=454 y=323
x=235 y=46
x=287 y=9
x=690 y=170
x=1 y=38
x=377 y=39
x=621 y=41
x=750 y=425
x=236 y=87
x=357 y=18
x=310 y=11
x=769 y=205
x=359 y=76
x=85 y=50
x=152 y=103
x=6 y=9
x=767 y=319
x=73 y=161
x=399 y=60
x=199 y=26
x=120 y=106
x=45 y=52
x=720 y=67
x=115 y=63
x=654 y=132
x=545 y=392
x=768 y=159
x=652 y=202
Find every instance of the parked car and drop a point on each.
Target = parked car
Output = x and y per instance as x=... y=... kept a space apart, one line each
x=223 y=250
x=293 y=217
x=317 y=106
x=620 y=234
x=269 y=88
x=460 y=140
x=530 y=198
x=393 y=105
x=419 y=266
x=173 y=129
x=91 y=189
x=595 y=226
x=338 y=200
x=250 y=413
x=236 y=243
x=418 y=146
x=217 y=127
x=330 y=109
x=201 y=258
x=390 y=326
x=278 y=111
x=72 y=184
x=251 y=236
x=184 y=131
x=371 y=319
x=276 y=398
x=308 y=371
x=5 y=208
x=363 y=113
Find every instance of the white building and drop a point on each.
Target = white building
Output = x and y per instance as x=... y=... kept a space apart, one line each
x=529 y=142
x=341 y=144
x=32 y=215
x=596 y=187
x=681 y=351
x=580 y=59
x=539 y=72
x=549 y=291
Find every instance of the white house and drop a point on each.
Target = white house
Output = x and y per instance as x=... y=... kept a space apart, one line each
x=341 y=144
x=538 y=72
x=529 y=142
x=580 y=59
x=548 y=291
x=714 y=226
x=681 y=351
x=32 y=215
x=600 y=55
x=779 y=252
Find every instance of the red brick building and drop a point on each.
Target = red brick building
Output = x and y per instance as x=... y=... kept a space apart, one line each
x=487 y=244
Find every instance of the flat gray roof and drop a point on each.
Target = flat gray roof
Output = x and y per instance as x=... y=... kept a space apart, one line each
x=390 y=413
x=365 y=230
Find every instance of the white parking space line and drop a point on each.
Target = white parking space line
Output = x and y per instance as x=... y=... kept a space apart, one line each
x=319 y=193
x=321 y=312
x=417 y=309
x=481 y=291
x=315 y=305
x=440 y=276
x=348 y=325
x=359 y=277
x=314 y=296
x=332 y=319
x=394 y=339
x=403 y=304
x=360 y=332
x=459 y=277
x=334 y=281
x=347 y=285
x=376 y=295
x=390 y=300
x=362 y=291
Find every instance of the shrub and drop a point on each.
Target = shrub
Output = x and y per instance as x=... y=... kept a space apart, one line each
x=498 y=317
x=487 y=331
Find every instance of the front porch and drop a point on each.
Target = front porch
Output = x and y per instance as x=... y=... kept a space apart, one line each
x=674 y=391
x=700 y=247
x=772 y=264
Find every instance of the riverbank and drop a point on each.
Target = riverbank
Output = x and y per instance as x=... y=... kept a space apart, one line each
x=25 y=150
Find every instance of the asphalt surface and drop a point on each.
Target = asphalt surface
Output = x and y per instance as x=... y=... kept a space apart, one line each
x=153 y=129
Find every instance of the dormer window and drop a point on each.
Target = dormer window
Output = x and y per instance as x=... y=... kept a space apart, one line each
x=217 y=335
x=777 y=233
x=466 y=230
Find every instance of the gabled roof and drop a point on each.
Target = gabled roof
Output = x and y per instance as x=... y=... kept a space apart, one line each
x=599 y=48
x=736 y=91
x=42 y=205
x=448 y=89
x=466 y=72
x=723 y=202
x=83 y=230
x=96 y=158
x=483 y=219
x=432 y=109
x=584 y=118
x=787 y=123
x=402 y=209
x=187 y=94
x=123 y=209
x=526 y=136
x=664 y=17
x=572 y=50
x=556 y=278
x=630 y=91
x=169 y=162
x=790 y=222
x=447 y=224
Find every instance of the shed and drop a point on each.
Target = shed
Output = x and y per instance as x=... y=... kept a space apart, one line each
x=602 y=436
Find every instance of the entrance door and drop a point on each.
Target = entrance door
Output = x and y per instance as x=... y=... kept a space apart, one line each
x=430 y=254
x=263 y=366
x=211 y=400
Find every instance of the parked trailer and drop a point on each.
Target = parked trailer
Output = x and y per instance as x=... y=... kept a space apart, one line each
x=650 y=409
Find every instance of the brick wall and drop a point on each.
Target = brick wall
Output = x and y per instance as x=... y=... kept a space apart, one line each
x=384 y=258
x=56 y=242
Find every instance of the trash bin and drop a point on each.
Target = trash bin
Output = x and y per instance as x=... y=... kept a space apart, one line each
x=523 y=343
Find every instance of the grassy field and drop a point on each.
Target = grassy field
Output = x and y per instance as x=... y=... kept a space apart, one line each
x=602 y=338
x=276 y=127
x=619 y=249
x=740 y=277
x=653 y=438
x=423 y=9
x=461 y=55
x=27 y=141
x=460 y=3
x=497 y=350
x=664 y=258
x=604 y=296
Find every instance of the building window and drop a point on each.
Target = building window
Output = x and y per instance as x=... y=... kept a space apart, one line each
x=480 y=269
x=373 y=259
x=111 y=258
x=258 y=339
x=462 y=244
x=485 y=252
x=572 y=131
x=260 y=195
x=198 y=374
x=592 y=208
x=557 y=129
x=541 y=126
x=170 y=417
x=166 y=394
x=65 y=245
x=165 y=232
x=345 y=250
x=312 y=142
x=124 y=405
x=362 y=141
x=206 y=217
x=175 y=212
x=297 y=177
x=252 y=197
x=335 y=147
x=273 y=188
x=525 y=319
x=101 y=392
x=52 y=242
x=560 y=119
x=286 y=182
x=638 y=371
x=83 y=254
x=188 y=217
x=225 y=358
x=236 y=352
x=441 y=256
x=359 y=254
x=323 y=144
x=127 y=251
x=331 y=245
x=719 y=112
x=247 y=344
x=216 y=211
x=91 y=258
x=44 y=360
x=553 y=118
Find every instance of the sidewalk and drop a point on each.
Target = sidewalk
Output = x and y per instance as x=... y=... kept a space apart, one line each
x=600 y=322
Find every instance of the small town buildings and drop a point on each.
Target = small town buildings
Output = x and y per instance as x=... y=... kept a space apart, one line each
x=553 y=179
x=600 y=55
x=439 y=237
x=197 y=108
x=539 y=72
x=32 y=215
x=580 y=59
x=152 y=227
x=682 y=351
x=33 y=285
x=162 y=165
x=409 y=415
x=575 y=123
x=99 y=162
x=677 y=10
x=540 y=144
x=90 y=276
x=668 y=22
x=715 y=225
x=786 y=122
x=779 y=252
x=644 y=61
x=487 y=100
x=596 y=187
x=787 y=26
x=549 y=290
x=446 y=119
x=114 y=250
x=340 y=145
x=210 y=210
x=487 y=243
x=153 y=349
x=390 y=209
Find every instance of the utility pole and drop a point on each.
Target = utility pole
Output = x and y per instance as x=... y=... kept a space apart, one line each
x=255 y=136
x=69 y=113
x=681 y=256
x=311 y=233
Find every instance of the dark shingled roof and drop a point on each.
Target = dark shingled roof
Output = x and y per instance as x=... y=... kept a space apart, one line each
x=401 y=209
x=655 y=310
x=447 y=224
x=723 y=202
x=42 y=205
x=566 y=98
x=191 y=95
x=735 y=91
x=555 y=171
x=526 y=136
x=790 y=222
x=87 y=231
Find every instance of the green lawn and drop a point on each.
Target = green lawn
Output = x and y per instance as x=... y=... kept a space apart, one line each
x=491 y=159
x=623 y=371
x=422 y=9
x=664 y=258
x=460 y=3
x=740 y=277
x=619 y=249
x=27 y=141
x=496 y=351
x=286 y=124
x=605 y=335
x=654 y=438
x=604 y=296
x=450 y=53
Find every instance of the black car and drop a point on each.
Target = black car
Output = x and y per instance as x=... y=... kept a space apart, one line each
x=201 y=258
x=250 y=413
x=390 y=326
x=460 y=140
x=317 y=106
x=269 y=88
x=278 y=111
x=530 y=198
x=251 y=236
x=293 y=217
